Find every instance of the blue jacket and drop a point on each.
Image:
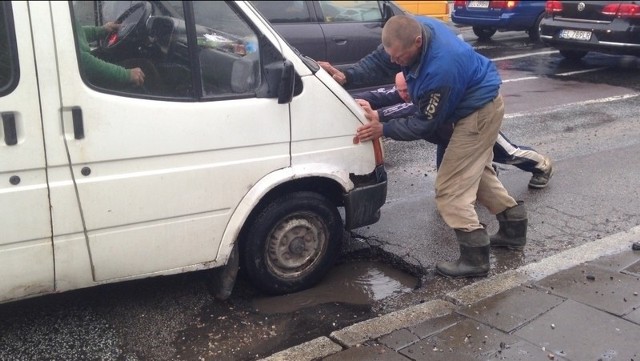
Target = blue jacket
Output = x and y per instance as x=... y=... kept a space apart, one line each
x=448 y=82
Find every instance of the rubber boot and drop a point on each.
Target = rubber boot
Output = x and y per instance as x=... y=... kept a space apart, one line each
x=474 y=256
x=513 y=228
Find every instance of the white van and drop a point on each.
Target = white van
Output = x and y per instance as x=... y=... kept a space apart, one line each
x=234 y=150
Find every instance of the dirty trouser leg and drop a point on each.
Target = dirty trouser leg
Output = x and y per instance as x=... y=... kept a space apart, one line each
x=466 y=173
x=523 y=157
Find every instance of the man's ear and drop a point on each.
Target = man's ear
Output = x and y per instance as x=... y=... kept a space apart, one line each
x=418 y=41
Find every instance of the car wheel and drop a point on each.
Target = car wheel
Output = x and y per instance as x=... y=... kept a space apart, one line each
x=292 y=243
x=534 y=32
x=573 y=55
x=483 y=33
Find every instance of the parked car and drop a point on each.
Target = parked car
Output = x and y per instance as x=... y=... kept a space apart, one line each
x=578 y=27
x=340 y=32
x=487 y=17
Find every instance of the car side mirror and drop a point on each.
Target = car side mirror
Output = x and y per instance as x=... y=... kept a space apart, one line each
x=287 y=83
x=387 y=12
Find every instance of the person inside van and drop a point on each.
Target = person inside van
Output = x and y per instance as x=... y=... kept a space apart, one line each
x=98 y=71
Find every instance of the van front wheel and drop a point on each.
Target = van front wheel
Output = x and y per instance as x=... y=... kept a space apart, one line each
x=292 y=243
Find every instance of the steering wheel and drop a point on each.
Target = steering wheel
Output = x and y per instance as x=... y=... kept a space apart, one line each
x=131 y=21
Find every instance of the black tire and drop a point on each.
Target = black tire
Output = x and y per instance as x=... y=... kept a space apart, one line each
x=534 y=32
x=573 y=55
x=292 y=243
x=483 y=33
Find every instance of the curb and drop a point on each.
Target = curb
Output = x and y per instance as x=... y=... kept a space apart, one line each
x=361 y=332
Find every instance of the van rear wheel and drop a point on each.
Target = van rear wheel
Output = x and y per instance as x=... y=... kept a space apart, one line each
x=292 y=243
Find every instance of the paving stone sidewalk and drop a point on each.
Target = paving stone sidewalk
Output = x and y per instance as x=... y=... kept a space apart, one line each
x=582 y=304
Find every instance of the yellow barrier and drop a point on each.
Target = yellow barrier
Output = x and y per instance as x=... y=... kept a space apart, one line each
x=436 y=9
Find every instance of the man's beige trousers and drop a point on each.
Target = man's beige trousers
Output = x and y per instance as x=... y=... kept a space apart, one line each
x=466 y=174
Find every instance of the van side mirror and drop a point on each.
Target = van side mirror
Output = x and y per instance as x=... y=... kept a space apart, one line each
x=287 y=82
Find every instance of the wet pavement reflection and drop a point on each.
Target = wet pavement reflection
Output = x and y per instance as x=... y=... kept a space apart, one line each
x=360 y=282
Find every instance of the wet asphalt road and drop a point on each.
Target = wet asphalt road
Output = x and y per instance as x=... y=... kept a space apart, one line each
x=585 y=116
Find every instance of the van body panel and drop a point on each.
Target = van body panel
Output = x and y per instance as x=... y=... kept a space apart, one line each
x=327 y=136
x=26 y=251
x=141 y=153
x=157 y=185
x=73 y=264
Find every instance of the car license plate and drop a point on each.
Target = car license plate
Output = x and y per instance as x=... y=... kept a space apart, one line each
x=478 y=4
x=576 y=35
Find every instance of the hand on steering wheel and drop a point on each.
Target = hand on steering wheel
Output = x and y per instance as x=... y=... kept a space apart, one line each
x=128 y=23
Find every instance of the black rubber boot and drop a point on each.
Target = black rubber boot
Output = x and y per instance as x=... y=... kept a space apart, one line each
x=513 y=228
x=474 y=256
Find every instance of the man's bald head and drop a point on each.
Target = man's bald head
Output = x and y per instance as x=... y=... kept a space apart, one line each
x=401 y=87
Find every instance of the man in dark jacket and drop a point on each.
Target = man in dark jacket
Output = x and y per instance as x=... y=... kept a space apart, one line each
x=388 y=103
x=457 y=92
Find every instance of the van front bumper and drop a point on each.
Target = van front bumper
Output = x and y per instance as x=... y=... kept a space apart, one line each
x=362 y=204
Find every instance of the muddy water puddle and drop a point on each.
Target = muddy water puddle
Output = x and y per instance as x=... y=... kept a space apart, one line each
x=359 y=282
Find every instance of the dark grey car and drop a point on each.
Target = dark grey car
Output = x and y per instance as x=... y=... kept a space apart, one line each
x=334 y=31
x=340 y=32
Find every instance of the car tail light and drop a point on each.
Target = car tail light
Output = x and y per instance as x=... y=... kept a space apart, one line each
x=378 y=152
x=459 y=3
x=622 y=10
x=552 y=7
x=503 y=4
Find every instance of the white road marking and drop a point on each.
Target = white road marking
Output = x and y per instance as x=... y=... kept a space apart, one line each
x=584 y=102
x=581 y=71
x=525 y=55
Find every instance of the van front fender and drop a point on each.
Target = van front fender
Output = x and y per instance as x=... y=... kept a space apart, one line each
x=264 y=186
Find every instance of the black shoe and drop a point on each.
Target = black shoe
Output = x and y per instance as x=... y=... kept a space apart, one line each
x=540 y=180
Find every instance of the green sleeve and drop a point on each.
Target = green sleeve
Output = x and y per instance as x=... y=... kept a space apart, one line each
x=93 y=33
x=98 y=71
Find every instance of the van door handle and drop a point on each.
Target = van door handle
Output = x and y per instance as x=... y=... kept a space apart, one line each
x=78 y=125
x=9 y=127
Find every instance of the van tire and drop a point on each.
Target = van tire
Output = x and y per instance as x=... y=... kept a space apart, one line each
x=292 y=243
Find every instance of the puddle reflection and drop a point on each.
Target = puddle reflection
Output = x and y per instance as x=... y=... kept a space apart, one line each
x=360 y=282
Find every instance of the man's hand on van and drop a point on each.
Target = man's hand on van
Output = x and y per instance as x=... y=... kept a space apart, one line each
x=369 y=113
x=335 y=73
x=111 y=27
x=136 y=76
x=369 y=131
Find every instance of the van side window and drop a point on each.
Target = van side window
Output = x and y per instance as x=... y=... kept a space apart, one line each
x=350 y=11
x=278 y=12
x=146 y=49
x=141 y=51
x=8 y=54
x=228 y=51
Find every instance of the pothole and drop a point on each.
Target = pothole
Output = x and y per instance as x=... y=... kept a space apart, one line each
x=355 y=282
